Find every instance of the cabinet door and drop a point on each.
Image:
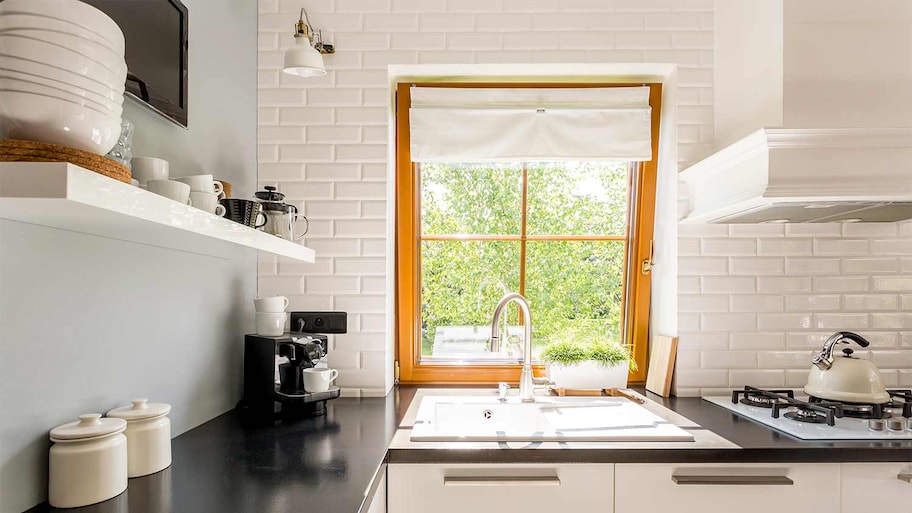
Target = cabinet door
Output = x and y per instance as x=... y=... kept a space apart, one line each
x=868 y=487
x=378 y=502
x=720 y=488
x=423 y=488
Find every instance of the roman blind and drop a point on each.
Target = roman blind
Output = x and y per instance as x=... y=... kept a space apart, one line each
x=453 y=124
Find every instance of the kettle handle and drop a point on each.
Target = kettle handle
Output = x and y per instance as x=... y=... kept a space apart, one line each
x=824 y=359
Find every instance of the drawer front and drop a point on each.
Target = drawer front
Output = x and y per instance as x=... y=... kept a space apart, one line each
x=421 y=488
x=720 y=488
x=868 y=487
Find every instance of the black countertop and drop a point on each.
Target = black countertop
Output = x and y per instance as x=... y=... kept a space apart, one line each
x=326 y=464
x=230 y=464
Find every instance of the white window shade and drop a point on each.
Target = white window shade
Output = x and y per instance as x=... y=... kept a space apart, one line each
x=510 y=124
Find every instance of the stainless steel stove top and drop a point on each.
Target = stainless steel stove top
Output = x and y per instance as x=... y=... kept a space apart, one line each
x=810 y=420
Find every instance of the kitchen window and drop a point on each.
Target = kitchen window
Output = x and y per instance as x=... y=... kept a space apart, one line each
x=550 y=219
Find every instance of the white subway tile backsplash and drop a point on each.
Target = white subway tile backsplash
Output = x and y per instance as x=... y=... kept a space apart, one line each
x=728 y=284
x=841 y=321
x=702 y=266
x=757 y=340
x=786 y=247
x=757 y=303
x=702 y=303
x=873 y=265
x=783 y=285
x=890 y=321
x=841 y=284
x=696 y=340
x=871 y=302
x=891 y=246
x=813 y=302
x=757 y=266
x=808 y=266
x=728 y=359
x=870 y=229
x=892 y=284
x=784 y=321
x=784 y=359
x=728 y=322
x=756 y=377
x=813 y=230
x=841 y=247
x=728 y=247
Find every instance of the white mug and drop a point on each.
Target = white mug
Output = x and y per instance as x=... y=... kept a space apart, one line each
x=271 y=304
x=269 y=324
x=318 y=380
x=207 y=201
x=144 y=169
x=179 y=192
x=202 y=183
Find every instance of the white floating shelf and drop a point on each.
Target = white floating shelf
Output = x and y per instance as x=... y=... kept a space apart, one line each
x=68 y=197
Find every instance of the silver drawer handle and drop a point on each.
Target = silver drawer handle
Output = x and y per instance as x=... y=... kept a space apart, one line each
x=732 y=480
x=905 y=477
x=499 y=481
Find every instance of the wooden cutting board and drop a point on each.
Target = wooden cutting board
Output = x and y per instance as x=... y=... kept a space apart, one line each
x=662 y=354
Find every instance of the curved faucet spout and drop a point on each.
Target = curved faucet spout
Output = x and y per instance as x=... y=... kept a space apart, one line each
x=525 y=379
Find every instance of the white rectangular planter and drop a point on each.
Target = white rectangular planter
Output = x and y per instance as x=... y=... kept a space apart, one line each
x=589 y=375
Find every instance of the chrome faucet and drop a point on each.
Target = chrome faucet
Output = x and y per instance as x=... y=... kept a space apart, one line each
x=525 y=379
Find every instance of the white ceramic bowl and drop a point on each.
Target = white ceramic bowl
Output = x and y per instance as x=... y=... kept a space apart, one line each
x=70 y=45
x=88 y=48
x=11 y=22
x=100 y=104
x=112 y=97
x=71 y=11
x=34 y=117
x=53 y=55
x=50 y=72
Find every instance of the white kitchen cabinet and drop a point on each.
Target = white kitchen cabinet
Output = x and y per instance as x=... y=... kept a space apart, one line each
x=868 y=487
x=723 y=488
x=378 y=502
x=422 y=488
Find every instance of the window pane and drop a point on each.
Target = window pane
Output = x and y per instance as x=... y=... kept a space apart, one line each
x=575 y=288
x=461 y=283
x=577 y=198
x=480 y=199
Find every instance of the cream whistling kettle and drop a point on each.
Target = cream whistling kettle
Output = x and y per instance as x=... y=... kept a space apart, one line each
x=845 y=377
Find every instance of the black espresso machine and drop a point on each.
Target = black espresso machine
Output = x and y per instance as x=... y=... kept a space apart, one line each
x=273 y=381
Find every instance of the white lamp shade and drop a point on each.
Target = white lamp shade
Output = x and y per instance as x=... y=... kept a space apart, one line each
x=303 y=59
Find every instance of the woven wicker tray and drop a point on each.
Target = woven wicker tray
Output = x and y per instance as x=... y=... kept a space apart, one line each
x=14 y=150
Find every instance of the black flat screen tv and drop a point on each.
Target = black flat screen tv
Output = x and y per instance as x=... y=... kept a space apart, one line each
x=156 y=52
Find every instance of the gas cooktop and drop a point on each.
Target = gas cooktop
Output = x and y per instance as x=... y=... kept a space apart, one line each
x=810 y=418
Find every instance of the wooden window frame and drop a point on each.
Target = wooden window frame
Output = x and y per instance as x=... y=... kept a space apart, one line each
x=407 y=323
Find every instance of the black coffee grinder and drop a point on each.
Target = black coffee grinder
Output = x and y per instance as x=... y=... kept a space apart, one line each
x=273 y=379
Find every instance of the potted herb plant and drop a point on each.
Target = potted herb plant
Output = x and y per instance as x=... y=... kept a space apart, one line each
x=595 y=365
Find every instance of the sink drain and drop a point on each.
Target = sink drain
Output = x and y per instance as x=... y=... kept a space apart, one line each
x=487 y=414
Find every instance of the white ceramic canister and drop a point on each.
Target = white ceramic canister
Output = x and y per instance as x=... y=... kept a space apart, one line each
x=88 y=461
x=148 y=436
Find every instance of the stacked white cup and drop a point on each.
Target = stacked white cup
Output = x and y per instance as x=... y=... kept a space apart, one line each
x=270 y=315
x=205 y=193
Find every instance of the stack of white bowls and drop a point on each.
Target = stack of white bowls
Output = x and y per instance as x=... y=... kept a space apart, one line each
x=62 y=74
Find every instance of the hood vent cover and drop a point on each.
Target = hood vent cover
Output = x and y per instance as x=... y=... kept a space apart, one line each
x=804 y=176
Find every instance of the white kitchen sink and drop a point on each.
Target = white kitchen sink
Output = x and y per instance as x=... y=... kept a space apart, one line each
x=549 y=419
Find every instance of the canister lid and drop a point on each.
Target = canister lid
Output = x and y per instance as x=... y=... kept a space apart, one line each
x=140 y=409
x=89 y=425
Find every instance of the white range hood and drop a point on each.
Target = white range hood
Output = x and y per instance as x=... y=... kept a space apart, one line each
x=804 y=176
